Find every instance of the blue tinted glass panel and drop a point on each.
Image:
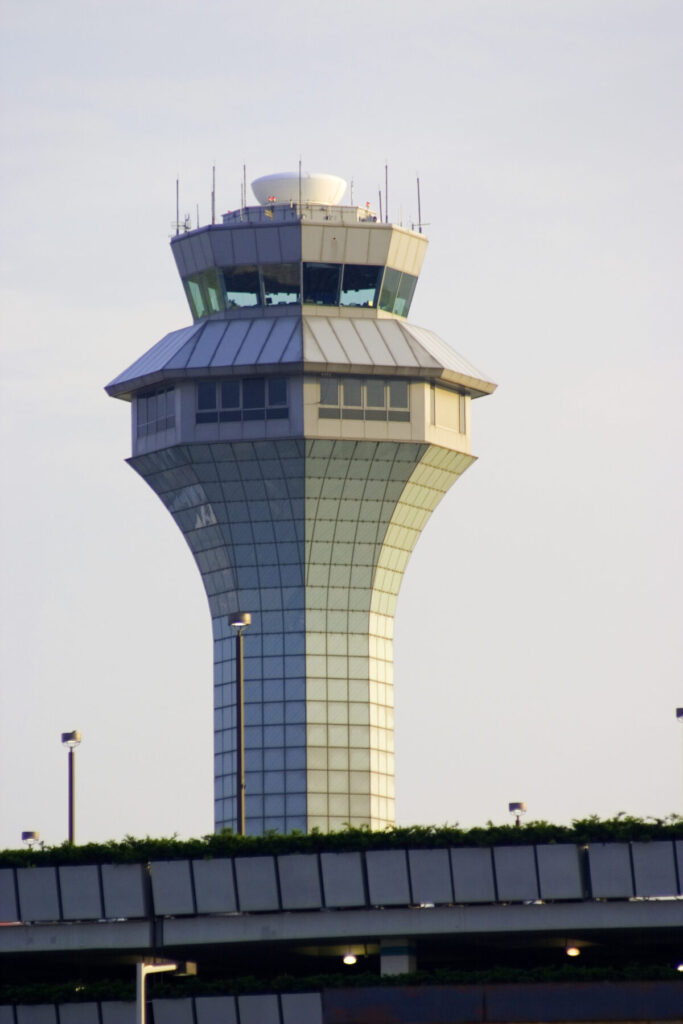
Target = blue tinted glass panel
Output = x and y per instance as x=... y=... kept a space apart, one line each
x=195 y=297
x=321 y=283
x=241 y=287
x=254 y=393
x=277 y=391
x=212 y=290
x=280 y=284
x=230 y=394
x=390 y=284
x=405 y=294
x=360 y=285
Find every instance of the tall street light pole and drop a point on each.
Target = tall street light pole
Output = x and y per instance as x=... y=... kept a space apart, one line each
x=71 y=740
x=239 y=622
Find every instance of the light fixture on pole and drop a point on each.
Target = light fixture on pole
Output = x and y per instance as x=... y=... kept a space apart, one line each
x=518 y=809
x=142 y=969
x=31 y=839
x=239 y=622
x=71 y=740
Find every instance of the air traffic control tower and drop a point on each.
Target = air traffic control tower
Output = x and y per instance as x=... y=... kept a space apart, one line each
x=300 y=433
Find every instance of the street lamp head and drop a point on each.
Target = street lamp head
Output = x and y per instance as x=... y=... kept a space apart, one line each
x=71 y=739
x=517 y=808
x=239 y=620
x=30 y=837
x=679 y=714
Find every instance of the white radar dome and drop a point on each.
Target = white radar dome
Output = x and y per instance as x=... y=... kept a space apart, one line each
x=326 y=189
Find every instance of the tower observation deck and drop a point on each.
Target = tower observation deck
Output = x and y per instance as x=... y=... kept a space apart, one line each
x=301 y=432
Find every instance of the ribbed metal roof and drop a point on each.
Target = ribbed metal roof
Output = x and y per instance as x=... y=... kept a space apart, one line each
x=315 y=343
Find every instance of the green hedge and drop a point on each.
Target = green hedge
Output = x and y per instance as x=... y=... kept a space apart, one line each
x=131 y=850
x=162 y=987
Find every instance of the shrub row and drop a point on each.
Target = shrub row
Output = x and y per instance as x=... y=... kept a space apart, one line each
x=622 y=828
x=85 y=991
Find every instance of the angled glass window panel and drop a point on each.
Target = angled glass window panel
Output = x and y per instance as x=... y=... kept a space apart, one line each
x=375 y=394
x=360 y=285
x=279 y=412
x=195 y=297
x=280 y=284
x=208 y=417
x=213 y=290
x=387 y=298
x=253 y=393
x=321 y=283
x=206 y=395
x=352 y=394
x=170 y=409
x=230 y=394
x=277 y=391
x=398 y=394
x=405 y=294
x=329 y=391
x=241 y=287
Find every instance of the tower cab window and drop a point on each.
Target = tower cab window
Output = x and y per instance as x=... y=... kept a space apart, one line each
x=364 y=398
x=235 y=401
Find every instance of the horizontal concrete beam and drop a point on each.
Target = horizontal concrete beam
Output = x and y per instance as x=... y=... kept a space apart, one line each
x=186 y=933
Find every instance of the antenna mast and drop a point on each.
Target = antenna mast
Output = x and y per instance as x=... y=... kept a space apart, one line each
x=380 y=205
x=386 y=192
x=213 y=195
x=419 y=207
x=177 y=205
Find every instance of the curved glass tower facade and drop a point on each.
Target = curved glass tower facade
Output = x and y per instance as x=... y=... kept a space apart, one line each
x=301 y=432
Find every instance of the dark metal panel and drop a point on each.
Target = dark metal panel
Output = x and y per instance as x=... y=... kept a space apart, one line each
x=256 y=883
x=559 y=872
x=515 y=869
x=473 y=875
x=430 y=876
x=343 y=879
x=654 y=869
x=387 y=877
x=300 y=881
x=610 y=870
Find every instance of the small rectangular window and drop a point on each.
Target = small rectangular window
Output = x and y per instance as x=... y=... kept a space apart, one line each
x=329 y=391
x=277 y=391
x=206 y=395
x=463 y=414
x=254 y=393
x=398 y=394
x=375 y=394
x=352 y=393
x=230 y=394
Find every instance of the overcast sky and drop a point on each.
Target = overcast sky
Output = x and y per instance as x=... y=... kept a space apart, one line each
x=538 y=653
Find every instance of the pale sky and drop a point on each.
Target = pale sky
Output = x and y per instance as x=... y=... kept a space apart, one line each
x=538 y=653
